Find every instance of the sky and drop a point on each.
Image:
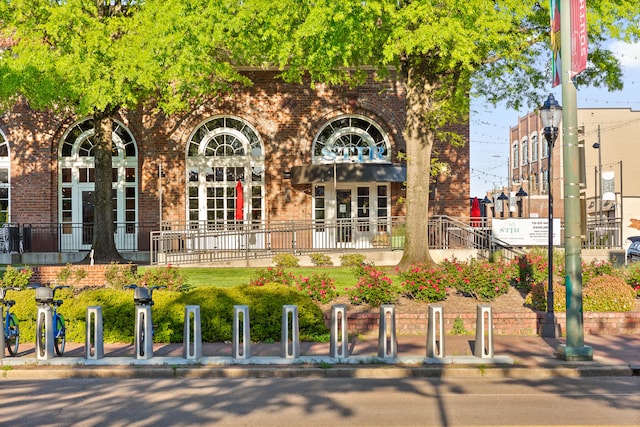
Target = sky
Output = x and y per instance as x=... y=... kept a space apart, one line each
x=489 y=132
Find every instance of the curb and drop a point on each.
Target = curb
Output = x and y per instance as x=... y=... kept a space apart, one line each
x=39 y=372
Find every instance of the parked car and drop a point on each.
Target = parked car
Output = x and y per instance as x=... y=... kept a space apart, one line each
x=633 y=252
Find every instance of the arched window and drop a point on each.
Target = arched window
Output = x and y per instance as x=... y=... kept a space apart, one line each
x=515 y=155
x=525 y=151
x=225 y=174
x=77 y=184
x=351 y=138
x=534 y=147
x=5 y=185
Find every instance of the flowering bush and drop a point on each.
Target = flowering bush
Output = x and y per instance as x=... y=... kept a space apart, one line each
x=537 y=298
x=320 y=287
x=169 y=276
x=632 y=276
x=373 y=288
x=531 y=268
x=602 y=294
x=120 y=275
x=320 y=260
x=484 y=280
x=16 y=278
x=608 y=293
x=286 y=260
x=424 y=283
x=597 y=268
x=273 y=275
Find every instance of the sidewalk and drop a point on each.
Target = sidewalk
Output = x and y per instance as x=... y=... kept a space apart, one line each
x=514 y=356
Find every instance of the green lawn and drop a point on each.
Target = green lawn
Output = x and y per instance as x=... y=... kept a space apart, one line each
x=233 y=276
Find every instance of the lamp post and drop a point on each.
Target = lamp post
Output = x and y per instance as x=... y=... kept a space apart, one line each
x=597 y=146
x=550 y=115
x=520 y=194
x=502 y=197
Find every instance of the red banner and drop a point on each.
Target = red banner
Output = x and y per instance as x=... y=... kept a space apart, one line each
x=579 y=42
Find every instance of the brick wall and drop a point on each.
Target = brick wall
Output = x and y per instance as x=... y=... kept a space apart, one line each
x=48 y=274
x=503 y=323
x=286 y=116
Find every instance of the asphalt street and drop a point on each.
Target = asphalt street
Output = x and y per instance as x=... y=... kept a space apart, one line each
x=600 y=401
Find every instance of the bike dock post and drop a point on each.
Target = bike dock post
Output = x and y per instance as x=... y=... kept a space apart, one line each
x=484 y=332
x=192 y=333
x=290 y=337
x=339 y=346
x=44 y=350
x=241 y=332
x=435 y=332
x=94 y=341
x=387 y=342
x=144 y=337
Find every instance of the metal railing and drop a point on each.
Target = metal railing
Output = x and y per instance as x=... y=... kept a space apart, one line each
x=194 y=242
x=202 y=242
x=71 y=237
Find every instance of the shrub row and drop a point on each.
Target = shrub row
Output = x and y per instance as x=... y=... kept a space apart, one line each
x=216 y=312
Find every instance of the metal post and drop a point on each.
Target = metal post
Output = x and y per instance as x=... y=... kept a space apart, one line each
x=144 y=336
x=192 y=346
x=44 y=350
x=241 y=338
x=574 y=348
x=484 y=331
x=94 y=341
x=435 y=332
x=339 y=346
x=387 y=342
x=290 y=337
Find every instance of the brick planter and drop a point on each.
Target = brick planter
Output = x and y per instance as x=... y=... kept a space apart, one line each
x=48 y=274
x=521 y=323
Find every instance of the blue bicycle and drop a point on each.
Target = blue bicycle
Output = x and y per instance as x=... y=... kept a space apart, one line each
x=46 y=296
x=11 y=327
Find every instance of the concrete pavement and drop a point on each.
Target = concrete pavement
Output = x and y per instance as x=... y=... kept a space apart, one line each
x=514 y=357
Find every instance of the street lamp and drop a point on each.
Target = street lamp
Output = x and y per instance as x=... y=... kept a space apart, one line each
x=598 y=147
x=550 y=115
x=502 y=197
x=520 y=194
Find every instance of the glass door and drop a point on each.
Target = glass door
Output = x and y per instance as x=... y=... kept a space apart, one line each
x=343 y=199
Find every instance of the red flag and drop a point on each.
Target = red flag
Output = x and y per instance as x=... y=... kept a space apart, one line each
x=579 y=43
x=239 y=202
x=555 y=43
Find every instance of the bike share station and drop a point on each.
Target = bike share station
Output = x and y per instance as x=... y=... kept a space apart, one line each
x=241 y=339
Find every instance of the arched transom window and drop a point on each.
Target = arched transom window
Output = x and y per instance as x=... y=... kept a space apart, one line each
x=351 y=138
x=225 y=173
x=77 y=184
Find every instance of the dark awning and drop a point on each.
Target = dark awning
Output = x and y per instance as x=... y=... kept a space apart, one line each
x=353 y=172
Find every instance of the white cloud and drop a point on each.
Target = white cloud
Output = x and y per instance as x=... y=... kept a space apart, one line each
x=628 y=54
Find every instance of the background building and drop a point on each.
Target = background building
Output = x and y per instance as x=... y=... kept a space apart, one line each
x=609 y=141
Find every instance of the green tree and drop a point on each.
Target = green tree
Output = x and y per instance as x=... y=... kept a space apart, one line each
x=96 y=57
x=440 y=51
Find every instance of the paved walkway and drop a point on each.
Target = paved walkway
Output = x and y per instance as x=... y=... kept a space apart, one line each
x=514 y=356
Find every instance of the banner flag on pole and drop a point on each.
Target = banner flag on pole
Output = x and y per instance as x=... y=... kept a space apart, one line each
x=579 y=42
x=555 y=43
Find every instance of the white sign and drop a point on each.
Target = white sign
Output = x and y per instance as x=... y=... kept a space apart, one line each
x=525 y=231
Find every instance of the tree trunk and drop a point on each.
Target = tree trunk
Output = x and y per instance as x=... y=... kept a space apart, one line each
x=103 y=242
x=419 y=135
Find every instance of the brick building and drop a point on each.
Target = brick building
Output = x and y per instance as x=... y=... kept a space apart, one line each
x=267 y=153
